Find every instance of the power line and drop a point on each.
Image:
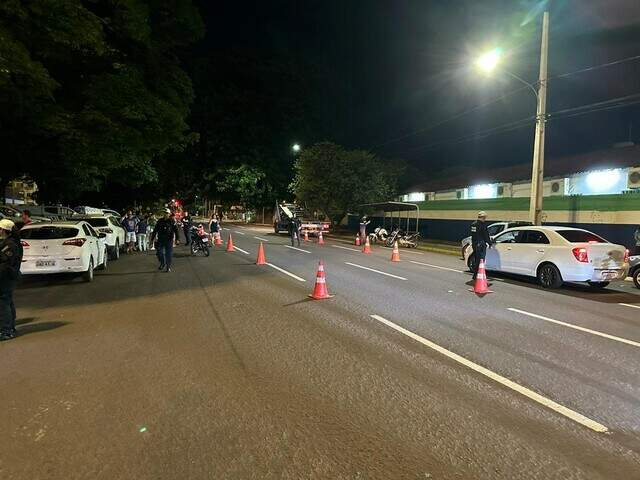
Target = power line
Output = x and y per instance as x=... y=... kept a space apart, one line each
x=597 y=67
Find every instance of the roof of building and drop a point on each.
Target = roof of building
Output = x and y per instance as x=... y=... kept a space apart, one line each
x=622 y=157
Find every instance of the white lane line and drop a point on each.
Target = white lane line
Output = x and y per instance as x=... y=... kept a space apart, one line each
x=286 y=273
x=346 y=248
x=629 y=305
x=536 y=397
x=576 y=327
x=239 y=232
x=436 y=266
x=298 y=249
x=243 y=251
x=376 y=271
x=260 y=238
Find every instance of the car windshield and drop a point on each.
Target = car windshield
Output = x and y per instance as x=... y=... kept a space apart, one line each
x=48 y=233
x=97 y=222
x=580 y=236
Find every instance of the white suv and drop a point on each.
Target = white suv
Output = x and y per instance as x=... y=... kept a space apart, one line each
x=108 y=225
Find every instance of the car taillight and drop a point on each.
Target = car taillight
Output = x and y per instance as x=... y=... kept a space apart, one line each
x=76 y=242
x=626 y=255
x=26 y=244
x=106 y=230
x=581 y=254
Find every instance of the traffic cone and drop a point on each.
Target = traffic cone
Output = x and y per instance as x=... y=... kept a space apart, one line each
x=230 y=245
x=367 y=246
x=481 y=286
x=262 y=260
x=320 y=291
x=306 y=235
x=320 y=239
x=218 y=240
x=357 y=240
x=395 y=255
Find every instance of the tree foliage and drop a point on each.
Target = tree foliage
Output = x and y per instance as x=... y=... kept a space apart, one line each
x=247 y=185
x=93 y=91
x=335 y=181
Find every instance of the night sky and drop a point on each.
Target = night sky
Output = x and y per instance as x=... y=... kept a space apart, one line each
x=396 y=67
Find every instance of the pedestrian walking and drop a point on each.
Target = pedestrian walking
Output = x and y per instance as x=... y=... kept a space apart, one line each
x=141 y=234
x=163 y=236
x=636 y=237
x=364 y=221
x=10 y=261
x=129 y=224
x=294 y=230
x=186 y=227
x=480 y=238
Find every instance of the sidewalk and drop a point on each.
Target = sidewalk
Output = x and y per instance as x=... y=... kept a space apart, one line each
x=426 y=245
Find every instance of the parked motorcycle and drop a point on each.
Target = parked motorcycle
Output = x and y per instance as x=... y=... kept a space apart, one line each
x=199 y=241
x=378 y=235
x=404 y=240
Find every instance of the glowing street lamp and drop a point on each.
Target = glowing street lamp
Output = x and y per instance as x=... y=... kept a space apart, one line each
x=296 y=148
x=489 y=61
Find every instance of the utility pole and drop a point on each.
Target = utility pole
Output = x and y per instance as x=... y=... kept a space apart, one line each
x=537 y=172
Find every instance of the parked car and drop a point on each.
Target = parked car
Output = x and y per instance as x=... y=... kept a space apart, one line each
x=113 y=213
x=53 y=212
x=62 y=247
x=555 y=255
x=493 y=229
x=111 y=227
x=86 y=210
x=15 y=215
x=634 y=270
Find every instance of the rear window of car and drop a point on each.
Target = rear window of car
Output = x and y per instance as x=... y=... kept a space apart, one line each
x=48 y=233
x=580 y=236
x=97 y=222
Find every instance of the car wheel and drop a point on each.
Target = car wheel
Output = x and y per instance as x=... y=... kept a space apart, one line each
x=598 y=285
x=106 y=259
x=471 y=261
x=116 y=251
x=88 y=275
x=636 y=278
x=549 y=276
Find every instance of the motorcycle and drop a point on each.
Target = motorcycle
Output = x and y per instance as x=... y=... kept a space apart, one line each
x=199 y=241
x=378 y=235
x=404 y=240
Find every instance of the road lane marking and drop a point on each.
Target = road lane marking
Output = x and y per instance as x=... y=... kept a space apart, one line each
x=239 y=232
x=298 y=249
x=346 y=248
x=629 y=305
x=286 y=273
x=376 y=271
x=436 y=266
x=243 y=251
x=576 y=327
x=536 y=397
x=260 y=238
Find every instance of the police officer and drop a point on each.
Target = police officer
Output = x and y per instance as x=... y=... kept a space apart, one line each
x=165 y=233
x=480 y=238
x=10 y=261
x=294 y=229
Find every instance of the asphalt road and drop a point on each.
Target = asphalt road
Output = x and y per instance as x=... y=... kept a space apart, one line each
x=223 y=369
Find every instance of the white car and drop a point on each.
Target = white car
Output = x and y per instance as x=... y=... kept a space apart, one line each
x=111 y=227
x=555 y=255
x=62 y=247
x=493 y=230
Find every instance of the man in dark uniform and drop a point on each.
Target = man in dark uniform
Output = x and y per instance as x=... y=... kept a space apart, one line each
x=165 y=233
x=480 y=238
x=294 y=229
x=186 y=227
x=10 y=261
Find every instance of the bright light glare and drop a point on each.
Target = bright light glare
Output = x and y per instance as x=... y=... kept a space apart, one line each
x=483 y=191
x=489 y=61
x=296 y=147
x=603 y=180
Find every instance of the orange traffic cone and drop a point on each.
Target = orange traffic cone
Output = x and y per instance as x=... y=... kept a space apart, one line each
x=320 y=291
x=320 y=239
x=306 y=235
x=218 y=241
x=262 y=260
x=481 y=286
x=230 y=245
x=395 y=255
x=367 y=246
x=357 y=240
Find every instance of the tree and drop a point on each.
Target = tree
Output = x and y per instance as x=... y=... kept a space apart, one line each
x=334 y=181
x=247 y=185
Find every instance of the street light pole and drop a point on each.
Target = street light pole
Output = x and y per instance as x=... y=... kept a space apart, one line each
x=537 y=172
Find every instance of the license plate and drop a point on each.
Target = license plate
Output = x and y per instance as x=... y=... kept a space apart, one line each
x=45 y=263
x=609 y=275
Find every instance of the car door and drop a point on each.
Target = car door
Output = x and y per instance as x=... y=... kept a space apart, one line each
x=100 y=242
x=528 y=251
x=93 y=244
x=499 y=256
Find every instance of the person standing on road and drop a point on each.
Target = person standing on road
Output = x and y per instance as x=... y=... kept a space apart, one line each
x=186 y=227
x=165 y=233
x=214 y=227
x=364 y=221
x=10 y=261
x=480 y=238
x=636 y=236
x=294 y=230
x=129 y=224
x=141 y=234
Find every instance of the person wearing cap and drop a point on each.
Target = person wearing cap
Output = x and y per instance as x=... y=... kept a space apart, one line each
x=480 y=238
x=10 y=261
x=165 y=233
